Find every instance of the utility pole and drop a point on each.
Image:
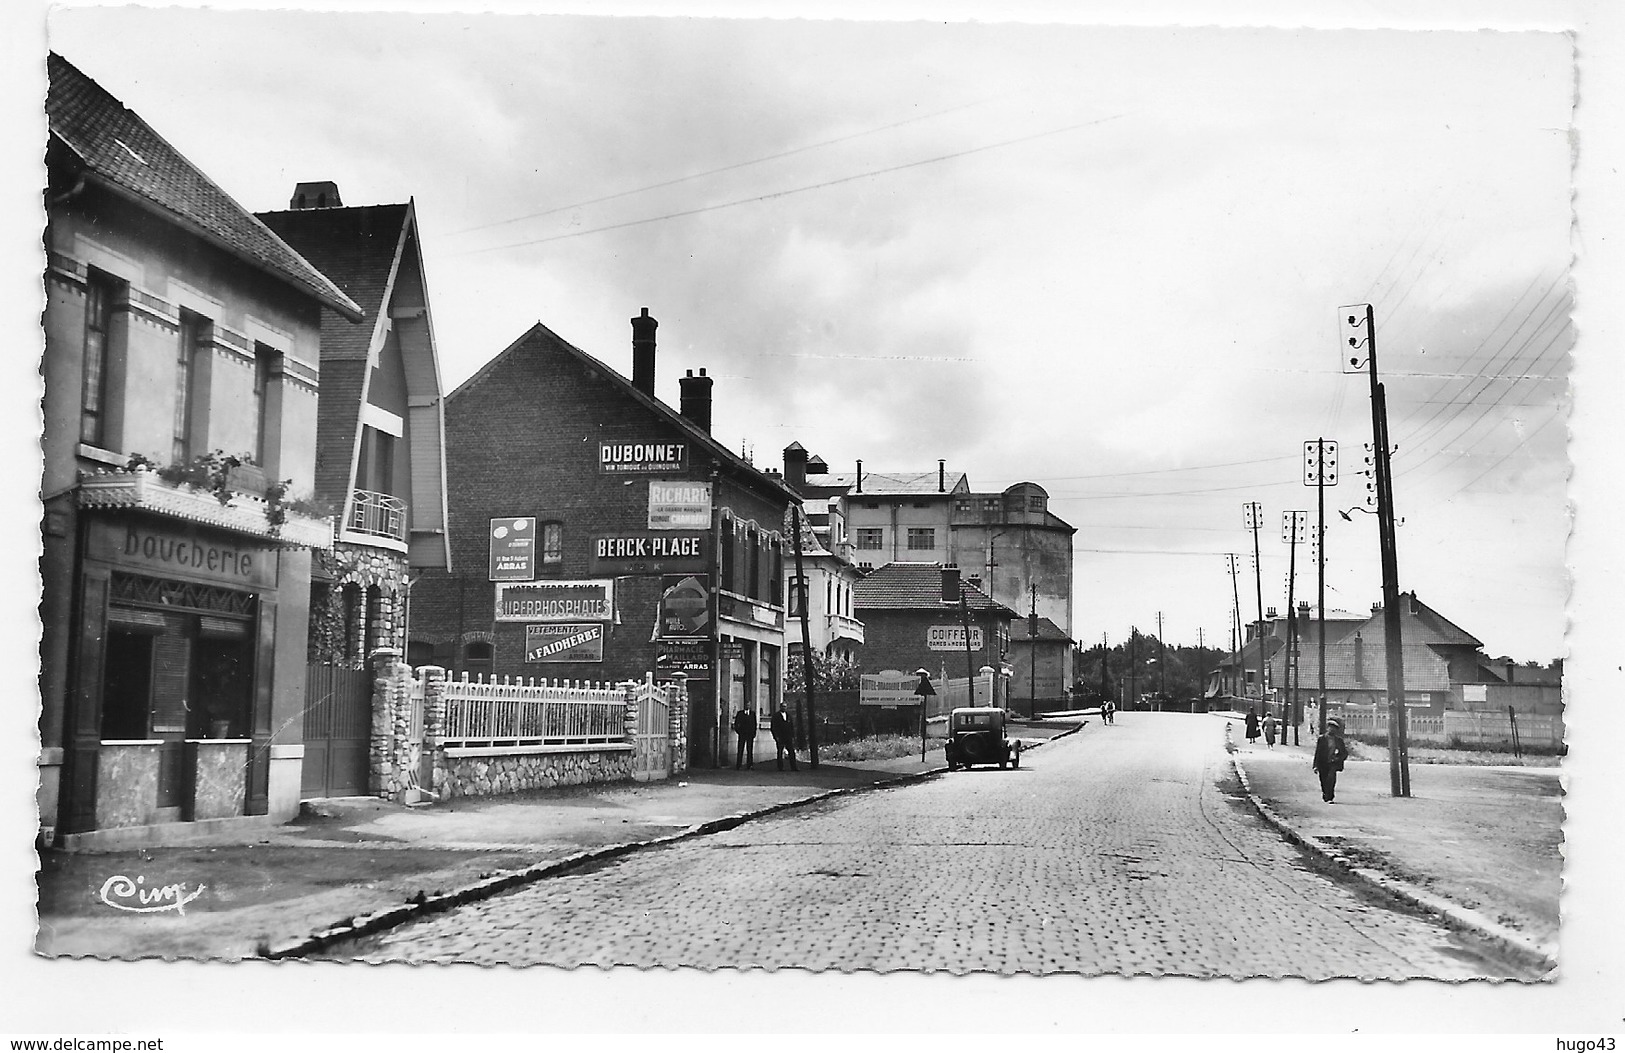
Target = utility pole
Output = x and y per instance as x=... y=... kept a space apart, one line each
x=1128 y=695
x=1361 y=329
x=1254 y=517
x=1032 y=656
x=1105 y=681
x=806 y=651
x=1294 y=525
x=1320 y=471
x=1162 y=662
x=1235 y=628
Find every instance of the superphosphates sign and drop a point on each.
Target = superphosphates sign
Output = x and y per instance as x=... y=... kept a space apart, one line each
x=566 y=642
x=555 y=601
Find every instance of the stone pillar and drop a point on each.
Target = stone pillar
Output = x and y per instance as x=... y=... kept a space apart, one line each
x=434 y=727
x=383 y=771
x=677 y=695
x=629 y=694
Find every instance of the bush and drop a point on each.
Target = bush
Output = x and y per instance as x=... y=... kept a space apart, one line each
x=871 y=747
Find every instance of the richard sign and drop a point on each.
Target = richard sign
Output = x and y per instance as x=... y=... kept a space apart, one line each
x=679 y=505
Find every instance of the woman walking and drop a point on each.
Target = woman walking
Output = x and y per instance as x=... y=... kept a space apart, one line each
x=1269 y=730
x=1252 y=727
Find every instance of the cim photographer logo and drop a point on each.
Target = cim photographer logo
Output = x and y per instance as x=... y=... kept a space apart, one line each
x=135 y=895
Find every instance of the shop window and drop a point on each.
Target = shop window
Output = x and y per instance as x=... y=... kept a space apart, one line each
x=1035 y=502
x=101 y=293
x=922 y=538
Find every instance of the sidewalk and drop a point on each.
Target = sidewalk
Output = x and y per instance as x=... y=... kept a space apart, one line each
x=1480 y=845
x=361 y=856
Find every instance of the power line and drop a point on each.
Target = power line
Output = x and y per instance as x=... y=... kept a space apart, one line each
x=786 y=193
x=725 y=168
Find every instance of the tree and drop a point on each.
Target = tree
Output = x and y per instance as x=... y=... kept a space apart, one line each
x=829 y=674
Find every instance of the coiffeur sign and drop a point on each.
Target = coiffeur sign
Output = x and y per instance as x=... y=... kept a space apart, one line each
x=555 y=601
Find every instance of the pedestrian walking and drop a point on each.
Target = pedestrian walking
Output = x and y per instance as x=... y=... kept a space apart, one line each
x=784 y=737
x=1252 y=726
x=745 y=728
x=1108 y=712
x=1269 y=730
x=1330 y=753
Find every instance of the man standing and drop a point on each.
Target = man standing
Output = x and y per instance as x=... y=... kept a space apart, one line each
x=784 y=738
x=745 y=728
x=1330 y=753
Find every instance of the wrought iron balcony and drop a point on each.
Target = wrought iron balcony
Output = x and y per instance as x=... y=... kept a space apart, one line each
x=376 y=515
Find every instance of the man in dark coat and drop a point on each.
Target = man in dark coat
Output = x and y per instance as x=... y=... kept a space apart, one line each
x=745 y=728
x=784 y=737
x=1330 y=753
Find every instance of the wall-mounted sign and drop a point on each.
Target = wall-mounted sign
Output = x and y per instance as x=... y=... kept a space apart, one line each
x=952 y=638
x=888 y=688
x=565 y=642
x=685 y=607
x=184 y=550
x=642 y=456
x=731 y=650
x=679 y=505
x=647 y=553
x=555 y=601
x=742 y=610
x=691 y=658
x=513 y=548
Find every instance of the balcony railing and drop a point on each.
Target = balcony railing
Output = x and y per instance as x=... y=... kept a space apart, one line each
x=376 y=515
x=842 y=627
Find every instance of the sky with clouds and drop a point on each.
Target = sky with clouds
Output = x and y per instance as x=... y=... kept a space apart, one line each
x=1107 y=260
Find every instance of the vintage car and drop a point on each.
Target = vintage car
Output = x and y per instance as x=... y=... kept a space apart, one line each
x=976 y=736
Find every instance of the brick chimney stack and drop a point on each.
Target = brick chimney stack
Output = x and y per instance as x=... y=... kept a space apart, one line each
x=795 y=465
x=643 y=354
x=950 y=583
x=942 y=476
x=696 y=399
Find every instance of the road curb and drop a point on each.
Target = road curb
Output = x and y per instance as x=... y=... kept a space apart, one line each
x=419 y=908
x=1453 y=913
x=414 y=910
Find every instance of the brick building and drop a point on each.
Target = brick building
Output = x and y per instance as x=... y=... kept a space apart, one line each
x=912 y=620
x=380 y=464
x=596 y=534
x=182 y=358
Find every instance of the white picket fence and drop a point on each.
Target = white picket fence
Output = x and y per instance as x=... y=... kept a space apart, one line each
x=1463 y=727
x=535 y=712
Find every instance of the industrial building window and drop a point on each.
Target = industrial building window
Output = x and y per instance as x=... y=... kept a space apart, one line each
x=552 y=539
x=100 y=292
x=871 y=537
x=921 y=538
x=1035 y=503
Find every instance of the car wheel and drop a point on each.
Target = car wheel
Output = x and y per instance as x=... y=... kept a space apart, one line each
x=1015 y=759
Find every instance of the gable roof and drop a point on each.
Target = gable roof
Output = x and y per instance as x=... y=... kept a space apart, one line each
x=359 y=249
x=553 y=341
x=1047 y=630
x=917 y=586
x=123 y=153
x=1440 y=631
x=883 y=484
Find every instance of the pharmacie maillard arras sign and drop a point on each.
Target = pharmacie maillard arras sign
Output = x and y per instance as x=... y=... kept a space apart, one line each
x=555 y=601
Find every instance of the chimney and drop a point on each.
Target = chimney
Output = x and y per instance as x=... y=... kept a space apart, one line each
x=1376 y=609
x=322 y=194
x=950 y=583
x=696 y=395
x=1303 y=606
x=643 y=356
x=795 y=464
x=1359 y=659
x=1269 y=613
x=975 y=580
x=942 y=476
x=860 y=477
x=817 y=466
x=1510 y=667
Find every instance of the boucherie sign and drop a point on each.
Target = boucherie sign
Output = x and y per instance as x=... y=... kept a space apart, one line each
x=642 y=456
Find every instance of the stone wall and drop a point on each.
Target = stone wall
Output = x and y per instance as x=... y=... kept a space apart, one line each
x=393 y=754
x=488 y=775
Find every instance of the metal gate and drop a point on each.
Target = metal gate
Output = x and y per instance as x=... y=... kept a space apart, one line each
x=651 y=756
x=338 y=731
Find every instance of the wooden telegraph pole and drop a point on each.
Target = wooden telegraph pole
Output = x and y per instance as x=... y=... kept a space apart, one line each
x=806 y=652
x=1320 y=471
x=1254 y=517
x=1360 y=330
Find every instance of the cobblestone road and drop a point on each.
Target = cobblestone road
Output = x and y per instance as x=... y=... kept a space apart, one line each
x=1121 y=849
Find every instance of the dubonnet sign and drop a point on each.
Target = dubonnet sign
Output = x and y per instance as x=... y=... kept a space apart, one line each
x=621 y=457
